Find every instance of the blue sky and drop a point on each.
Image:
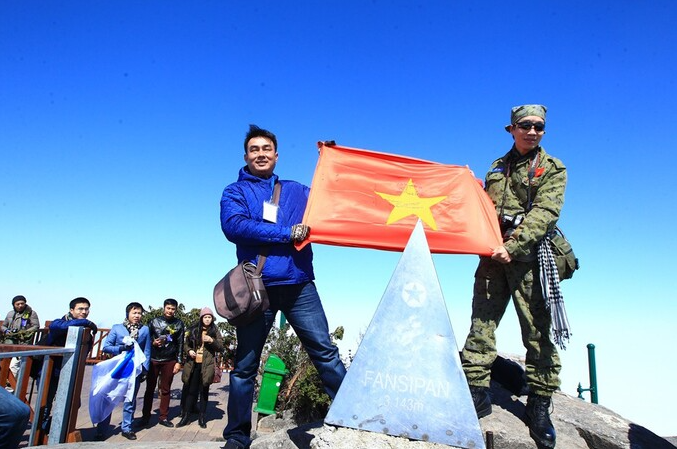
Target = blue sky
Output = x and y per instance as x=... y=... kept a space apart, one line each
x=121 y=122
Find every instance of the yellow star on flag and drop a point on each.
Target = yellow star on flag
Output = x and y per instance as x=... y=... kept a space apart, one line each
x=409 y=203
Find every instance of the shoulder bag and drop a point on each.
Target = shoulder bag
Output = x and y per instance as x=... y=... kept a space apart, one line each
x=240 y=297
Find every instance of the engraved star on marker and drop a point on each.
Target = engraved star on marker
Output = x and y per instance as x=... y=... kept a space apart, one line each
x=414 y=294
x=409 y=203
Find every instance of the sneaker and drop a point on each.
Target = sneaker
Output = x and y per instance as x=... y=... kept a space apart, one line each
x=166 y=423
x=129 y=435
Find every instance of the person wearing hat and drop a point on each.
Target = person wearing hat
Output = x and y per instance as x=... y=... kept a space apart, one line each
x=116 y=344
x=527 y=187
x=203 y=342
x=21 y=323
x=19 y=327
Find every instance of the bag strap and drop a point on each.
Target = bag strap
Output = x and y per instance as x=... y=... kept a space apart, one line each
x=263 y=252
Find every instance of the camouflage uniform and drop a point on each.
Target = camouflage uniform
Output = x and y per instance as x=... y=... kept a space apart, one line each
x=496 y=282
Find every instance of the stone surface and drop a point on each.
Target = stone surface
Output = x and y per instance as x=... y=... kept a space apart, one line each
x=579 y=425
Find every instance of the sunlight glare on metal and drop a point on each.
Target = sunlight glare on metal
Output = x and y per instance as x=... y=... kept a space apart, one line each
x=406 y=378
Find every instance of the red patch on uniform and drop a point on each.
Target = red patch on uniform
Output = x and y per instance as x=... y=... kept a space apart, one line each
x=539 y=171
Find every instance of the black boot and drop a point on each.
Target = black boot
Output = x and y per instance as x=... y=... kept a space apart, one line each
x=537 y=417
x=185 y=420
x=201 y=420
x=481 y=400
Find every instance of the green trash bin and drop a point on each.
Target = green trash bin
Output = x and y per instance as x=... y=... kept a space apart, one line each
x=273 y=373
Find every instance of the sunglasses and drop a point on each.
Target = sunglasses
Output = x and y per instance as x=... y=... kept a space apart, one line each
x=528 y=124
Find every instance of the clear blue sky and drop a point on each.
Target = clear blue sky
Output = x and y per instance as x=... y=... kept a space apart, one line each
x=121 y=122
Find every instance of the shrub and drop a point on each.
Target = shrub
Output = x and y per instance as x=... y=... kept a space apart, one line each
x=301 y=391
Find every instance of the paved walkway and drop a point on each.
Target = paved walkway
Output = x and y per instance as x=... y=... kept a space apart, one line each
x=154 y=434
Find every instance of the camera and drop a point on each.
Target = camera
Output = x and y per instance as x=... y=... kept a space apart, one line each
x=509 y=223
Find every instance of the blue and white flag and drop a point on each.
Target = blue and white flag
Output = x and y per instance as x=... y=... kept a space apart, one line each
x=113 y=381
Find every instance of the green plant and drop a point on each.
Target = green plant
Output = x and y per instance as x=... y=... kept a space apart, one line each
x=301 y=392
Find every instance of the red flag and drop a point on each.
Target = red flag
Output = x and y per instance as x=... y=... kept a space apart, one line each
x=373 y=200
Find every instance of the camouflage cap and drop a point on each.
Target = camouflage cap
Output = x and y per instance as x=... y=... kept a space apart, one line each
x=526 y=110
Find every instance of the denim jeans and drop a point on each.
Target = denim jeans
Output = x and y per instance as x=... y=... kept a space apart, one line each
x=302 y=307
x=13 y=419
x=128 y=409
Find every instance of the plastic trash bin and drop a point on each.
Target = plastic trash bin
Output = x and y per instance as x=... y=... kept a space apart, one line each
x=273 y=373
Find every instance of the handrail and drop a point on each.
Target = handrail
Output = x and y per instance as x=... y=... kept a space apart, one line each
x=66 y=400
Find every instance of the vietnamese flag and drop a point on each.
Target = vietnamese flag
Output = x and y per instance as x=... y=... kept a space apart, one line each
x=369 y=199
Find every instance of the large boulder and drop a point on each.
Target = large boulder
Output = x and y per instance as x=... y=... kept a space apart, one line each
x=579 y=425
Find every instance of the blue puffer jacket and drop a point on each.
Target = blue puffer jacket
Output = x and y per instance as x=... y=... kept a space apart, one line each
x=242 y=223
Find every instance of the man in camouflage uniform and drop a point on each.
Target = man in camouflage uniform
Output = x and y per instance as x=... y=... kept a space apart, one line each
x=527 y=186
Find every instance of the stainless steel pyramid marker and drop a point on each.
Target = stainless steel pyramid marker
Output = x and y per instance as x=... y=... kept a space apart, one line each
x=406 y=378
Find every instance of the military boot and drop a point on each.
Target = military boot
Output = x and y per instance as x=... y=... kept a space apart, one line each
x=481 y=400
x=537 y=417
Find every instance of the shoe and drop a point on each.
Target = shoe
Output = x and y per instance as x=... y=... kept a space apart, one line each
x=166 y=423
x=232 y=444
x=185 y=420
x=201 y=421
x=481 y=400
x=537 y=417
x=143 y=422
x=129 y=435
x=99 y=436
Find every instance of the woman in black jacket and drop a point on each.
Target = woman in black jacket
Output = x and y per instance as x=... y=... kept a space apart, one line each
x=203 y=341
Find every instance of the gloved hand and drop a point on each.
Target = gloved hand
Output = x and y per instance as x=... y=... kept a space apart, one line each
x=299 y=232
x=93 y=327
x=128 y=347
x=143 y=375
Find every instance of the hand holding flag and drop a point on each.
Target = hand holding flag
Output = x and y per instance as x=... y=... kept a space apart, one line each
x=113 y=381
x=373 y=200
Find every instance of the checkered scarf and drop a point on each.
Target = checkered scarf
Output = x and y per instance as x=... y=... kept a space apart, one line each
x=552 y=294
x=132 y=328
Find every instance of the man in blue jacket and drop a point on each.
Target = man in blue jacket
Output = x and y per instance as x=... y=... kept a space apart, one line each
x=249 y=220
x=58 y=333
x=77 y=316
x=115 y=344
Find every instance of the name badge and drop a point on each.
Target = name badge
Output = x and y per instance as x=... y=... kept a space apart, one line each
x=270 y=212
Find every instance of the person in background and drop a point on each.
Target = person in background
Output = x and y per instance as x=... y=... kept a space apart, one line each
x=249 y=220
x=203 y=342
x=166 y=359
x=527 y=187
x=58 y=333
x=77 y=316
x=19 y=327
x=115 y=345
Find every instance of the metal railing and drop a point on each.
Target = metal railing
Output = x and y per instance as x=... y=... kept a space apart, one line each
x=62 y=401
x=592 y=372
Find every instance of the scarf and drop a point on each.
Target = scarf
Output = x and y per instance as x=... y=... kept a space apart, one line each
x=554 y=300
x=132 y=328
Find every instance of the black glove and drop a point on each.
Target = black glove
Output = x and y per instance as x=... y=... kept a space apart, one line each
x=128 y=347
x=142 y=376
x=93 y=327
x=299 y=232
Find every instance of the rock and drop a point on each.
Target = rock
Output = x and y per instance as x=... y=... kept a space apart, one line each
x=579 y=425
